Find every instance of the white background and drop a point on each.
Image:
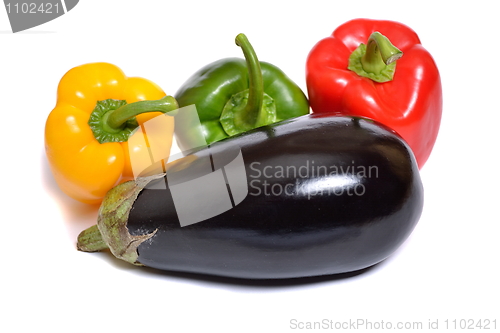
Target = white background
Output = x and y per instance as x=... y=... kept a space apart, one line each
x=446 y=269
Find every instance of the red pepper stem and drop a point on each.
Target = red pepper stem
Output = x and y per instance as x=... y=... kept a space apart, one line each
x=377 y=60
x=379 y=53
x=116 y=119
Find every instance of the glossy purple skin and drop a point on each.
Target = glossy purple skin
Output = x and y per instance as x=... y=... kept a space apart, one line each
x=299 y=233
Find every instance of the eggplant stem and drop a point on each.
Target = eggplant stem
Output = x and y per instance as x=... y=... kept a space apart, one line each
x=90 y=240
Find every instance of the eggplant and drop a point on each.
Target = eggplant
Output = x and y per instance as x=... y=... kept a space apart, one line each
x=309 y=196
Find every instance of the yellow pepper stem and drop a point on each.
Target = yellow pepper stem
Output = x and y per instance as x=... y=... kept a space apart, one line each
x=119 y=117
x=114 y=120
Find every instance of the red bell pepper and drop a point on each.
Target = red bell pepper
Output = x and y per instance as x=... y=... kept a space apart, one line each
x=392 y=80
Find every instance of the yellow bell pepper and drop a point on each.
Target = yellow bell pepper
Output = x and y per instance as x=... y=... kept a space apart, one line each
x=86 y=134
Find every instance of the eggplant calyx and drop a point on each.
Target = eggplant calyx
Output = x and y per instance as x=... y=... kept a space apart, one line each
x=112 y=231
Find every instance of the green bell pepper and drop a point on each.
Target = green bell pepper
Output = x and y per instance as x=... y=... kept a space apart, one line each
x=236 y=95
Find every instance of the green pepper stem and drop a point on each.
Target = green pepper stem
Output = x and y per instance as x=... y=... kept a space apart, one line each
x=379 y=53
x=256 y=83
x=116 y=119
x=90 y=240
x=252 y=107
